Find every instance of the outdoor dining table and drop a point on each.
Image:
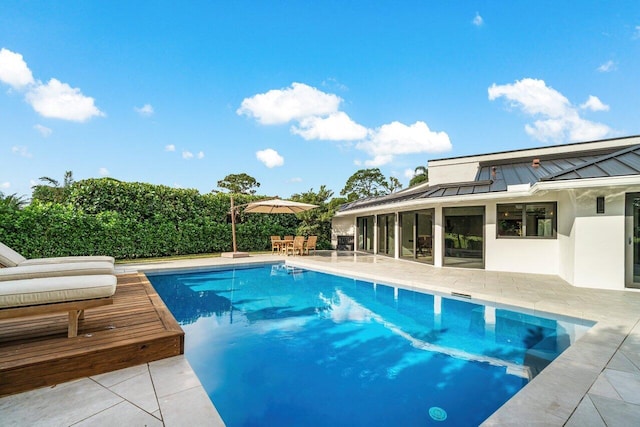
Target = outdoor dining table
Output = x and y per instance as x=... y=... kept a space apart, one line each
x=285 y=244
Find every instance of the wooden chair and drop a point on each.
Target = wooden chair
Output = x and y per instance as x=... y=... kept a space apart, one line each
x=298 y=245
x=276 y=244
x=310 y=244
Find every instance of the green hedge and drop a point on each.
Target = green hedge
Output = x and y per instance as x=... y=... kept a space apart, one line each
x=133 y=220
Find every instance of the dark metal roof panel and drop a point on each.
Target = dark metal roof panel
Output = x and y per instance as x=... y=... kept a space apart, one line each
x=466 y=190
x=631 y=159
x=620 y=163
x=614 y=167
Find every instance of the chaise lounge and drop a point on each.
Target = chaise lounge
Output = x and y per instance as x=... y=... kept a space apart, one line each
x=46 y=295
x=51 y=285
x=11 y=258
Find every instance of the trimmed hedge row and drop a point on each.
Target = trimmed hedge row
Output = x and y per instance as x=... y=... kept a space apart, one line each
x=133 y=220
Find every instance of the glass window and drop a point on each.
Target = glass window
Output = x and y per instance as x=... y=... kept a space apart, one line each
x=527 y=220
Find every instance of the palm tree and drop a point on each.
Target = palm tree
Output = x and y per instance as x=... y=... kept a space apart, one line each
x=421 y=174
x=52 y=191
x=12 y=201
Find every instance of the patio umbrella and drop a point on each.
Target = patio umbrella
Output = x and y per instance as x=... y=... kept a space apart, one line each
x=271 y=206
x=278 y=206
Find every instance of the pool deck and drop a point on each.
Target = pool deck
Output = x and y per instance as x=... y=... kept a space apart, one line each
x=596 y=382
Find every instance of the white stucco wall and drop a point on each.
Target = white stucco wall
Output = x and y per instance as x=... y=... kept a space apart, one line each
x=599 y=241
x=537 y=256
x=446 y=172
x=566 y=235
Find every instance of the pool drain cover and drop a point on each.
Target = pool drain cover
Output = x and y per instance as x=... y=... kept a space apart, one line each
x=438 y=414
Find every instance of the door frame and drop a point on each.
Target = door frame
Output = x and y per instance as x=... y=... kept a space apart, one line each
x=629 y=221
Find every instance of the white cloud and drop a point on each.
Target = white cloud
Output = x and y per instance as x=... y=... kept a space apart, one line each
x=296 y=179
x=607 y=67
x=187 y=155
x=21 y=150
x=397 y=138
x=318 y=118
x=477 y=20
x=5 y=185
x=44 y=131
x=170 y=147
x=145 y=111
x=14 y=70
x=176 y=185
x=560 y=120
x=636 y=34
x=60 y=101
x=533 y=97
x=270 y=158
x=103 y=172
x=279 y=106
x=409 y=173
x=336 y=127
x=201 y=155
x=594 y=104
x=54 y=99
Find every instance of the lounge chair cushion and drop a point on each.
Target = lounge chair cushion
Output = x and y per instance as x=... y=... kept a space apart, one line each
x=68 y=259
x=20 y=293
x=9 y=257
x=55 y=270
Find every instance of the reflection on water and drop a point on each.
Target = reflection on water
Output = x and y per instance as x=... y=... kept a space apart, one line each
x=284 y=346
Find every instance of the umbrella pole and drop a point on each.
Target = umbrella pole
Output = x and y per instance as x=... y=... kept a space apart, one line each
x=235 y=253
x=233 y=226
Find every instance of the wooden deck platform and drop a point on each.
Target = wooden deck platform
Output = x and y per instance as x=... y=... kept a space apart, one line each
x=138 y=328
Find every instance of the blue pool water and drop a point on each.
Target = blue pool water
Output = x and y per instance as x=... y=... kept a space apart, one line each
x=280 y=346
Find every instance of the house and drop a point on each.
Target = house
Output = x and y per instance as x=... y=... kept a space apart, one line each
x=569 y=210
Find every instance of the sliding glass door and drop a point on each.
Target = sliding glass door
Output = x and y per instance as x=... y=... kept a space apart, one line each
x=632 y=240
x=464 y=237
x=365 y=233
x=417 y=235
x=386 y=234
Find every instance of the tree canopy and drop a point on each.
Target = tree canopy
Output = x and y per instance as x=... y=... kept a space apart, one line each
x=240 y=183
x=369 y=183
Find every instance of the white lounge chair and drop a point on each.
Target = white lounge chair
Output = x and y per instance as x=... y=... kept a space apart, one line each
x=73 y=294
x=56 y=270
x=11 y=258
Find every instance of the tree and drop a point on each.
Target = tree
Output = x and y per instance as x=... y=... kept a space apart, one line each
x=239 y=183
x=421 y=174
x=394 y=184
x=52 y=191
x=317 y=222
x=368 y=183
x=12 y=201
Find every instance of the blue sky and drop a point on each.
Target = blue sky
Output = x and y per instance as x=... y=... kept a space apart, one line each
x=303 y=93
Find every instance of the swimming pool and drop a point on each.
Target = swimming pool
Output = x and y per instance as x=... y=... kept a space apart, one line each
x=275 y=345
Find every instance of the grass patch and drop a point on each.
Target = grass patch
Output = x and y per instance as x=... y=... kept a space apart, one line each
x=177 y=258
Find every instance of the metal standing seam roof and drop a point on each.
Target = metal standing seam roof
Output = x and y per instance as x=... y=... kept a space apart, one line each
x=498 y=176
x=621 y=163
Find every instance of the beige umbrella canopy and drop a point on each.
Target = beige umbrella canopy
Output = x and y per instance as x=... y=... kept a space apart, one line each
x=277 y=206
x=271 y=206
